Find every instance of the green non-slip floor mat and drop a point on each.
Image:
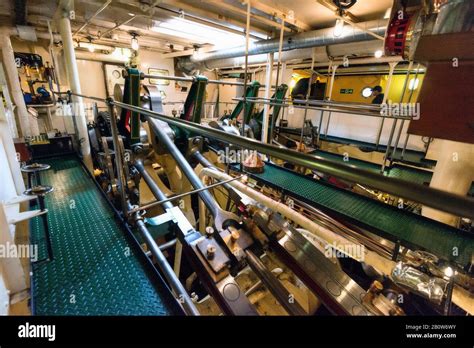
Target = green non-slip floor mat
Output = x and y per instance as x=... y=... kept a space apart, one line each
x=396 y=224
x=95 y=270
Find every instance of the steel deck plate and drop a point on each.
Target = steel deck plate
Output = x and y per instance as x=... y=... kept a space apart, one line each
x=96 y=270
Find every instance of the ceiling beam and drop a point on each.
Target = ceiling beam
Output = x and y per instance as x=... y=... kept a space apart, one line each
x=232 y=8
x=208 y=23
x=199 y=15
x=333 y=8
x=280 y=13
x=188 y=52
x=349 y=19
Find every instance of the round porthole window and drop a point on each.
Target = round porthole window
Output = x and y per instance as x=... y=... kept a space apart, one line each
x=366 y=92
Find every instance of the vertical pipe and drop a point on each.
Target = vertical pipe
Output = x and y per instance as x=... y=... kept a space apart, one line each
x=177 y=258
x=266 y=107
x=175 y=284
x=389 y=144
x=14 y=82
x=327 y=126
x=416 y=76
x=321 y=116
x=308 y=93
x=247 y=33
x=333 y=75
x=8 y=109
x=277 y=78
x=401 y=101
x=392 y=66
x=405 y=145
x=407 y=76
x=73 y=77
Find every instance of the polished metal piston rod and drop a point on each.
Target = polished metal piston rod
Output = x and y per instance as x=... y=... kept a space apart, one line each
x=175 y=284
x=191 y=79
x=438 y=199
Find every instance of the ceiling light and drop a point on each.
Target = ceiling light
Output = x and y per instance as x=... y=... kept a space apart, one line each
x=378 y=54
x=339 y=27
x=90 y=45
x=198 y=33
x=134 y=42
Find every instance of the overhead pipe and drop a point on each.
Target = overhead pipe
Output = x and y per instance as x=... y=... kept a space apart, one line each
x=321 y=54
x=321 y=37
x=128 y=20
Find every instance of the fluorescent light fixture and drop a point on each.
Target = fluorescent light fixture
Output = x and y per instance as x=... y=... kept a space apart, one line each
x=339 y=27
x=198 y=33
x=378 y=54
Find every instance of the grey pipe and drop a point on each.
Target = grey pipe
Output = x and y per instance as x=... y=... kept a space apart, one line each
x=438 y=199
x=273 y=284
x=435 y=198
x=188 y=171
x=152 y=185
x=315 y=38
x=192 y=79
x=178 y=288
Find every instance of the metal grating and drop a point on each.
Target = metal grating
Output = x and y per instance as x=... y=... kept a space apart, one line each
x=390 y=222
x=95 y=270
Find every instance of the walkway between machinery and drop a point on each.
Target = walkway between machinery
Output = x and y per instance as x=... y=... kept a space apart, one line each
x=96 y=270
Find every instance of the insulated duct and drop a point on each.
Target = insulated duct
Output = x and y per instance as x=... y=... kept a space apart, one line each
x=322 y=54
x=315 y=38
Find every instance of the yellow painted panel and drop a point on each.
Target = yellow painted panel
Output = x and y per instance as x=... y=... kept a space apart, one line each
x=358 y=83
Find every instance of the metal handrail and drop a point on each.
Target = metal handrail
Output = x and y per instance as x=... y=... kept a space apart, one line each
x=190 y=79
x=455 y=204
x=326 y=108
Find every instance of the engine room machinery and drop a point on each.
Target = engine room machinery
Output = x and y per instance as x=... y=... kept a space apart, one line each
x=229 y=243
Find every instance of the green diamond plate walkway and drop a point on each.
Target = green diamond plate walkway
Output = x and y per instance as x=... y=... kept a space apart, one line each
x=96 y=270
x=390 y=222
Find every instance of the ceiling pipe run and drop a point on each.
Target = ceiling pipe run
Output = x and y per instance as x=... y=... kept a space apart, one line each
x=322 y=54
x=315 y=38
